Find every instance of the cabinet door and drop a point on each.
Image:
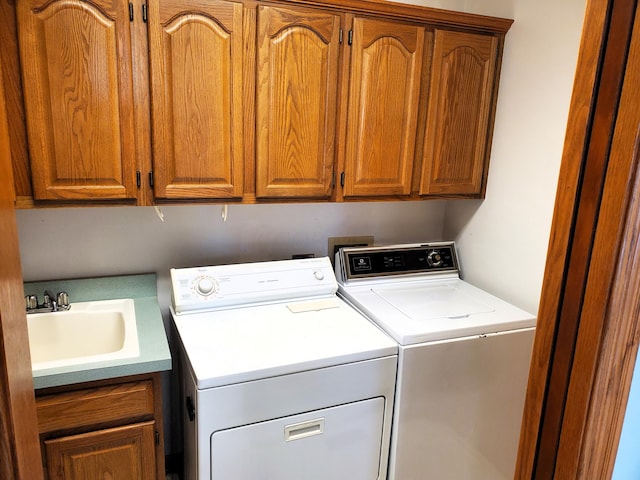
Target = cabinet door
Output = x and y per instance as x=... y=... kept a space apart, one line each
x=386 y=66
x=460 y=108
x=124 y=452
x=77 y=80
x=297 y=73
x=196 y=59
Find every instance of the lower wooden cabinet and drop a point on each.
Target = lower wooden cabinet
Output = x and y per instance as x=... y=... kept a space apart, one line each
x=106 y=429
x=121 y=452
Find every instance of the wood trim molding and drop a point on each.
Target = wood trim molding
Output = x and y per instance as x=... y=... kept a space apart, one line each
x=19 y=443
x=587 y=338
x=606 y=346
x=414 y=13
x=579 y=121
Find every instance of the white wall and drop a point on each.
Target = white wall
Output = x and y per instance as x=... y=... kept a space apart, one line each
x=502 y=241
x=81 y=242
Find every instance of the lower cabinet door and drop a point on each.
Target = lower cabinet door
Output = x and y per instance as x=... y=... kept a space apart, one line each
x=338 y=442
x=126 y=452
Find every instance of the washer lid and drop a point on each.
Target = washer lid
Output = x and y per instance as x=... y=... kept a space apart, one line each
x=428 y=310
x=429 y=302
x=251 y=343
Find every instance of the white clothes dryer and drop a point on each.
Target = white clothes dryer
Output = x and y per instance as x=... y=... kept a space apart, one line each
x=282 y=379
x=463 y=360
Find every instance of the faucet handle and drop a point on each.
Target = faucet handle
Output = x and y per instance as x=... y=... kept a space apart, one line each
x=31 y=301
x=63 y=300
x=47 y=299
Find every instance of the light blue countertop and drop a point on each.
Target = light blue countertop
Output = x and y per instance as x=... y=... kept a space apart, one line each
x=154 y=348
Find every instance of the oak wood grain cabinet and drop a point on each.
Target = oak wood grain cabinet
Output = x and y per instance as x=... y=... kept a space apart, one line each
x=384 y=89
x=196 y=65
x=121 y=452
x=296 y=91
x=107 y=429
x=242 y=100
x=460 y=113
x=298 y=86
x=77 y=80
x=88 y=72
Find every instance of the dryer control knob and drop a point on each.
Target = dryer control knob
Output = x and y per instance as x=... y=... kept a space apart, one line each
x=434 y=259
x=205 y=286
x=318 y=274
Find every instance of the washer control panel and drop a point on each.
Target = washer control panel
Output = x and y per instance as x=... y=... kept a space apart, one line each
x=366 y=262
x=225 y=286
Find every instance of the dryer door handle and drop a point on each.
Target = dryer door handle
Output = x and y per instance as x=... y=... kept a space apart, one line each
x=297 y=431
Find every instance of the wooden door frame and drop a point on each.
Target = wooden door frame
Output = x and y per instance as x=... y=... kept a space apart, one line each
x=587 y=335
x=19 y=443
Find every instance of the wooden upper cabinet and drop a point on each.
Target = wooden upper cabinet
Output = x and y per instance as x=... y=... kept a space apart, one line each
x=386 y=67
x=388 y=101
x=297 y=84
x=196 y=69
x=77 y=80
x=460 y=110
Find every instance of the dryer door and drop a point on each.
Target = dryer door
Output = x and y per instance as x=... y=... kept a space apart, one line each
x=341 y=442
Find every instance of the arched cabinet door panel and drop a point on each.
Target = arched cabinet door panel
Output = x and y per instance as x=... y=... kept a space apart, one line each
x=196 y=71
x=77 y=78
x=386 y=67
x=460 y=110
x=296 y=94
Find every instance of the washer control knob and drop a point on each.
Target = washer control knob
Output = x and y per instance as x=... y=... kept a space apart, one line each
x=318 y=274
x=205 y=286
x=434 y=259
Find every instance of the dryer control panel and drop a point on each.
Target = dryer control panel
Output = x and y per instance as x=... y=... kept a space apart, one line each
x=412 y=259
x=223 y=286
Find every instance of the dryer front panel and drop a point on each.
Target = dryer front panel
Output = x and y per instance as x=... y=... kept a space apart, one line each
x=338 y=442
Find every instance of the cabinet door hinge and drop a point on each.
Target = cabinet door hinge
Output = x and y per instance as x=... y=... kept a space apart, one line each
x=340 y=37
x=151 y=179
x=333 y=180
x=144 y=12
x=350 y=38
x=342 y=179
x=130 y=12
x=138 y=179
x=157 y=437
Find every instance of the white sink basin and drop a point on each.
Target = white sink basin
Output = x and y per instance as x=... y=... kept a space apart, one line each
x=88 y=332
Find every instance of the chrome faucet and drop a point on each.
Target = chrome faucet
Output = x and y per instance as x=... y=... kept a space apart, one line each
x=50 y=303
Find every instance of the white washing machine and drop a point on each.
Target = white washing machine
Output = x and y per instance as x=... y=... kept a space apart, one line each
x=282 y=379
x=463 y=360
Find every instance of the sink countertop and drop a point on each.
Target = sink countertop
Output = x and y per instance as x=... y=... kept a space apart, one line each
x=154 y=348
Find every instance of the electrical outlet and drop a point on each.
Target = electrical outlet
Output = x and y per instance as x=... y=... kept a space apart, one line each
x=336 y=243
